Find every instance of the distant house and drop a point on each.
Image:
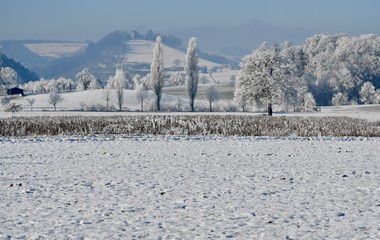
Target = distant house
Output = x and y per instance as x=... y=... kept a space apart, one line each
x=15 y=91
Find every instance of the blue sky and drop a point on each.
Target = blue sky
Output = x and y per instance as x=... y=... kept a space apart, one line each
x=216 y=23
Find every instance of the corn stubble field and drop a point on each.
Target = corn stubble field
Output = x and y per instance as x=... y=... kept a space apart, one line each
x=225 y=125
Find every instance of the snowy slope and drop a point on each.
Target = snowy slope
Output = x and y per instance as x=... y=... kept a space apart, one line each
x=141 y=51
x=74 y=101
x=189 y=188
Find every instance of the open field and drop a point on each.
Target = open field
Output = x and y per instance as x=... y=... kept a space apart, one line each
x=90 y=175
x=225 y=91
x=55 y=50
x=189 y=187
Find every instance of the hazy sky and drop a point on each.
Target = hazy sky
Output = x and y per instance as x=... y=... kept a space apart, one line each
x=215 y=23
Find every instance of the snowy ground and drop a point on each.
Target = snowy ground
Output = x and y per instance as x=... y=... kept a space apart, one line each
x=55 y=50
x=186 y=188
x=68 y=106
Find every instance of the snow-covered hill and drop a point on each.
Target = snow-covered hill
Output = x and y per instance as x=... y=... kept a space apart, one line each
x=141 y=51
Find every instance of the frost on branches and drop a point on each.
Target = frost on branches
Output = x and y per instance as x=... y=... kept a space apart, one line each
x=54 y=98
x=141 y=90
x=118 y=82
x=368 y=95
x=335 y=69
x=86 y=80
x=157 y=71
x=8 y=78
x=260 y=78
x=191 y=71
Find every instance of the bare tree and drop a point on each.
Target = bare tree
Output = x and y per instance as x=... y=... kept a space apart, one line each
x=107 y=96
x=31 y=101
x=13 y=108
x=55 y=98
x=141 y=95
x=211 y=95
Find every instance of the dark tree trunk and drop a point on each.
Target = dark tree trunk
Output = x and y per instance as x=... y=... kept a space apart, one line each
x=270 y=110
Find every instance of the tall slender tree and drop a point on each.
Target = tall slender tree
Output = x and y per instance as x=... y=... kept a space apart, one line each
x=191 y=71
x=157 y=72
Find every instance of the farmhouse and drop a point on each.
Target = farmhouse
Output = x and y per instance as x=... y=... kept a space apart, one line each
x=15 y=91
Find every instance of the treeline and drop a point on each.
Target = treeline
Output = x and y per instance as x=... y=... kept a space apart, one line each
x=223 y=125
x=335 y=69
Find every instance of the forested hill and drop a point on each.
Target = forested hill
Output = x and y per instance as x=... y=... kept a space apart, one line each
x=25 y=75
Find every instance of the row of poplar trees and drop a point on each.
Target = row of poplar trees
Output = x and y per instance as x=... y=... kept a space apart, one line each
x=191 y=71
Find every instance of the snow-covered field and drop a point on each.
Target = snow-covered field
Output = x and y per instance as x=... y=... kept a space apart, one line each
x=177 y=187
x=74 y=102
x=55 y=50
x=116 y=187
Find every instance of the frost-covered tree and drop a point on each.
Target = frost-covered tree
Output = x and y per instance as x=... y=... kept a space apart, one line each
x=339 y=99
x=377 y=97
x=68 y=84
x=54 y=98
x=293 y=62
x=157 y=71
x=341 y=63
x=107 y=95
x=367 y=93
x=84 y=79
x=141 y=89
x=141 y=95
x=52 y=85
x=211 y=95
x=309 y=102
x=191 y=71
x=176 y=78
x=95 y=83
x=119 y=81
x=8 y=77
x=260 y=78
